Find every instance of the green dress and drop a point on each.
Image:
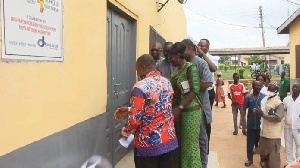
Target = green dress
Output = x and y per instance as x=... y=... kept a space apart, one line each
x=187 y=155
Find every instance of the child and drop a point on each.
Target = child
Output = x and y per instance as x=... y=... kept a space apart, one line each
x=220 y=96
x=236 y=93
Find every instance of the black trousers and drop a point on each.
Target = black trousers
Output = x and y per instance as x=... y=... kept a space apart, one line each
x=166 y=160
x=212 y=96
x=253 y=136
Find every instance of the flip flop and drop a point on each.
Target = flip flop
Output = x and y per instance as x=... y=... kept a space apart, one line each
x=262 y=164
x=248 y=163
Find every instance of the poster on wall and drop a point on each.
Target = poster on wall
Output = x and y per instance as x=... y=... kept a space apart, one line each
x=32 y=30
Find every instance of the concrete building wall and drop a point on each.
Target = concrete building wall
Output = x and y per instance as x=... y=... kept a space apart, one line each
x=294 y=40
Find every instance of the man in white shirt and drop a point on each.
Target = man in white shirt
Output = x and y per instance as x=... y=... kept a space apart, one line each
x=292 y=123
x=213 y=63
x=202 y=52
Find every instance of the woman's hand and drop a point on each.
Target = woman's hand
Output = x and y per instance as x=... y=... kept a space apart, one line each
x=177 y=114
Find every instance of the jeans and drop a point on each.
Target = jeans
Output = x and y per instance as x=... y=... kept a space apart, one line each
x=235 y=110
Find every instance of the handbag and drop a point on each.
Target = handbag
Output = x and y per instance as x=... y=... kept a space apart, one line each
x=271 y=111
x=185 y=87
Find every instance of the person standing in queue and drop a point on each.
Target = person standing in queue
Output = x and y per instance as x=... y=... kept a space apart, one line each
x=150 y=117
x=187 y=108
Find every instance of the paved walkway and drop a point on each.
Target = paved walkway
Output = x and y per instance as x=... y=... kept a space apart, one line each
x=226 y=150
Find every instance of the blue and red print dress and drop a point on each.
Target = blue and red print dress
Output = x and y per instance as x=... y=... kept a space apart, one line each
x=151 y=116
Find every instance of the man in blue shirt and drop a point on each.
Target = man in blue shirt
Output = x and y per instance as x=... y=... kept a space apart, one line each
x=251 y=102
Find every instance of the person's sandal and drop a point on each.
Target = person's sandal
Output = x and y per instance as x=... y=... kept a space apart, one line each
x=235 y=133
x=248 y=163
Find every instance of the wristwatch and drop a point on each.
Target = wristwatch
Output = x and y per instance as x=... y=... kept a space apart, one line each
x=181 y=106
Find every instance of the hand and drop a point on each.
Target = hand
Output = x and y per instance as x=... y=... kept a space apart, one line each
x=233 y=102
x=200 y=51
x=121 y=112
x=258 y=111
x=177 y=114
x=295 y=165
x=125 y=134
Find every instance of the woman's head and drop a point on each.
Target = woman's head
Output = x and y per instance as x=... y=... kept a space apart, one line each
x=261 y=78
x=176 y=53
x=190 y=50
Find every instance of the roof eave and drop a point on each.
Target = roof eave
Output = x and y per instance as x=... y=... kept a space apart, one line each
x=285 y=27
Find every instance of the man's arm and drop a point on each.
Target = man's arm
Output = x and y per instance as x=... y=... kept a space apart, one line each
x=205 y=75
x=229 y=92
x=206 y=85
x=229 y=96
x=287 y=86
x=211 y=65
x=135 y=113
x=277 y=117
x=279 y=114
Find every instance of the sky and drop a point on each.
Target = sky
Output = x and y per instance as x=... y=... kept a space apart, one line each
x=236 y=23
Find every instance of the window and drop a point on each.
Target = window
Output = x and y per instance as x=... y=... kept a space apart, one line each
x=297 y=61
x=155 y=37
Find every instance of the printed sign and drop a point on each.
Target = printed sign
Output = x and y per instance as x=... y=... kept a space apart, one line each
x=32 y=30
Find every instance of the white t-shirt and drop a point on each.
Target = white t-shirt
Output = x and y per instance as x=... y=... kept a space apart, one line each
x=293 y=112
x=215 y=60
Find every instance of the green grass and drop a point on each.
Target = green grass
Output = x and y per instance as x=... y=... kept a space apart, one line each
x=247 y=74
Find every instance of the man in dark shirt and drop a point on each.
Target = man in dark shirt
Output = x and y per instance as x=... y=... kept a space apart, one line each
x=155 y=51
x=165 y=67
x=253 y=123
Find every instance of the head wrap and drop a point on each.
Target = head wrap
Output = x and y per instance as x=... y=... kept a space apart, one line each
x=274 y=83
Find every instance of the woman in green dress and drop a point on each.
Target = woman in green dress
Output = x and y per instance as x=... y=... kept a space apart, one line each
x=187 y=108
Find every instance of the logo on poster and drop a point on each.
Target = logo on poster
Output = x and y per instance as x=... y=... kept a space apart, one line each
x=41 y=42
x=41 y=2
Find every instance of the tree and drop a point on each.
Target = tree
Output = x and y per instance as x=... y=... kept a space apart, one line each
x=223 y=59
x=257 y=59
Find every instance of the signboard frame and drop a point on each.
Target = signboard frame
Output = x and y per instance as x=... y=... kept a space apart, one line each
x=45 y=50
